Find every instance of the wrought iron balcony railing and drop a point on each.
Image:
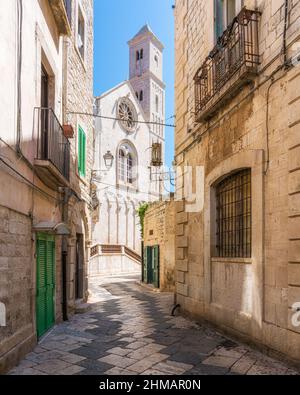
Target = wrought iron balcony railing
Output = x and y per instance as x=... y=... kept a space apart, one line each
x=52 y=145
x=232 y=63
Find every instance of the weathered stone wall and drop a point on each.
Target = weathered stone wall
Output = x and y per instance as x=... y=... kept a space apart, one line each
x=261 y=309
x=16 y=282
x=159 y=229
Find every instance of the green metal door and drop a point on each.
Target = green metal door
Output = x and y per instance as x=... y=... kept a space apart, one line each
x=155 y=259
x=148 y=272
x=45 y=293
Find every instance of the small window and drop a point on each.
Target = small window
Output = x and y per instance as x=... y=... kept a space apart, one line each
x=142 y=54
x=233 y=216
x=81 y=34
x=156 y=60
x=81 y=152
x=137 y=56
x=141 y=95
x=137 y=95
x=156 y=103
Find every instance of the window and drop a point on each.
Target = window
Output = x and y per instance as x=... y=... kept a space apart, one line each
x=126 y=165
x=81 y=152
x=137 y=56
x=81 y=34
x=142 y=54
x=156 y=103
x=156 y=60
x=141 y=95
x=121 y=165
x=225 y=12
x=68 y=7
x=233 y=216
x=137 y=95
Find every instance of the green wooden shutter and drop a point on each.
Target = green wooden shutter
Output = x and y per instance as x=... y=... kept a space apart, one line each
x=156 y=265
x=81 y=152
x=45 y=288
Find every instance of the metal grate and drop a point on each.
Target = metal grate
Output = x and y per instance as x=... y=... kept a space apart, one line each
x=234 y=216
x=236 y=51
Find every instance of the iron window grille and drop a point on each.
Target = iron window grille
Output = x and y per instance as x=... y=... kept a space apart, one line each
x=234 y=216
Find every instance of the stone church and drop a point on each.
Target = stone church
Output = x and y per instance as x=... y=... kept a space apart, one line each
x=129 y=122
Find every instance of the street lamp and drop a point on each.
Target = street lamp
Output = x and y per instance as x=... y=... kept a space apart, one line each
x=108 y=160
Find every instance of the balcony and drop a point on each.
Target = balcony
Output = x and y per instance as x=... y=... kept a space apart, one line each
x=232 y=64
x=62 y=11
x=52 y=163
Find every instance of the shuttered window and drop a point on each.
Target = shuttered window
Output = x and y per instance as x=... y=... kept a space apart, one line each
x=81 y=152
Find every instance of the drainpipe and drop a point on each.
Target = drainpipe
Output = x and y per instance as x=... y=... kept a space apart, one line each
x=286 y=14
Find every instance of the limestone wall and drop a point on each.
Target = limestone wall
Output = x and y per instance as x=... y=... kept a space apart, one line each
x=159 y=229
x=253 y=298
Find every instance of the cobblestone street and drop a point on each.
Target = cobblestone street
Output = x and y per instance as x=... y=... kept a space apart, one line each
x=130 y=331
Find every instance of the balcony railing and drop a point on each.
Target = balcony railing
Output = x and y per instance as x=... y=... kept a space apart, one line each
x=232 y=63
x=52 y=145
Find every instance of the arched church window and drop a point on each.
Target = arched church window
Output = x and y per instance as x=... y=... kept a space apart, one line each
x=127 y=164
x=141 y=95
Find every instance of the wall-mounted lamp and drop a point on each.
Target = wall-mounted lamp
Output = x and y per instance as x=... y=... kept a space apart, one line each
x=108 y=160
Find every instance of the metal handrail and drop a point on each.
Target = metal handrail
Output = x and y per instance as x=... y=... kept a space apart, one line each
x=52 y=145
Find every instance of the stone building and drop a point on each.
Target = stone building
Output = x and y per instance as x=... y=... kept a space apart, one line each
x=238 y=117
x=124 y=137
x=78 y=100
x=42 y=202
x=159 y=245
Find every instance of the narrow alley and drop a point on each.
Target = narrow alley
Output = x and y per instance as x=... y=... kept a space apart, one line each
x=130 y=331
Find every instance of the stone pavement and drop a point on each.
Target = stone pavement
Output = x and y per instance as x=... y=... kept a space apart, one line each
x=130 y=332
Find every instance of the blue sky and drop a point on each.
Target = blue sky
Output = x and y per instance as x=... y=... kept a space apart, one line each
x=116 y=22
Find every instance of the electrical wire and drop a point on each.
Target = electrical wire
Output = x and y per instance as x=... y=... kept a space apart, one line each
x=119 y=119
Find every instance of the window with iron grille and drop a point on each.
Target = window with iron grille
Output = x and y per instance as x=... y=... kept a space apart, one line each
x=233 y=205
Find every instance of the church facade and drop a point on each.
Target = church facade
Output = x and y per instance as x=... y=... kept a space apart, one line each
x=129 y=120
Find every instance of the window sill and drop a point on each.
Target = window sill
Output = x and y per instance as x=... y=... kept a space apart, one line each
x=245 y=261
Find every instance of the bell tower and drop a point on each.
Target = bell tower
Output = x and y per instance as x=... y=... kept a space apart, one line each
x=146 y=76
